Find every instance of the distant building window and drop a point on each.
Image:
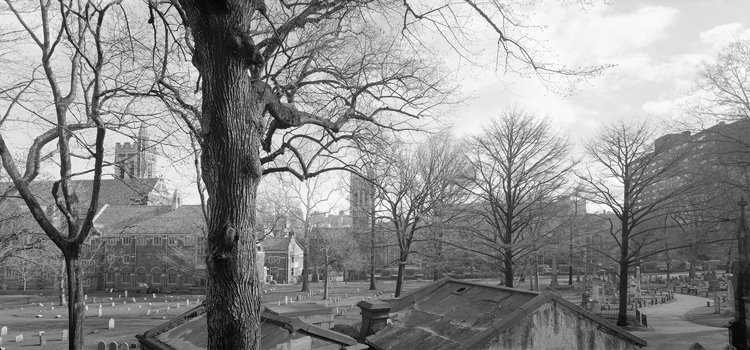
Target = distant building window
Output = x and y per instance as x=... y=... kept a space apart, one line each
x=172 y=241
x=125 y=277
x=157 y=240
x=127 y=240
x=110 y=277
x=87 y=283
x=140 y=277
x=126 y=259
x=172 y=278
x=142 y=241
x=111 y=241
x=273 y=271
x=156 y=277
x=189 y=241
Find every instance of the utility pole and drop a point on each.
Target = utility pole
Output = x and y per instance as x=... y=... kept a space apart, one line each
x=741 y=275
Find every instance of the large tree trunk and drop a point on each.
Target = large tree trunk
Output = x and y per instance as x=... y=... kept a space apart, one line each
x=508 y=267
x=76 y=307
x=305 y=265
x=231 y=124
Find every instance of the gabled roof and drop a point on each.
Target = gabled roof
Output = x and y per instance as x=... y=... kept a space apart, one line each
x=189 y=332
x=141 y=219
x=453 y=314
x=111 y=191
x=272 y=244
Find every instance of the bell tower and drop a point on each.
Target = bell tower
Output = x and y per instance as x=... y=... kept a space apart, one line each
x=134 y=160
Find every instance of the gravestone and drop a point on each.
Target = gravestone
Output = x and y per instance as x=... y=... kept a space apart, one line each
x=697 y=346
x=730 y=294
x=113 y=303
x=124 y=346
x=19 y=338
x=93 y=300
x=126 y=294
x=100 y=306
x=4 y=330
x=112 y=346
x=64 y=335
x=100 y=313
x=102 y=346
x=85 y=297
x=87 y=308
x=42 y=338
x=717 y=305
x=111 y=323
x=134 y=301
x=148 y=312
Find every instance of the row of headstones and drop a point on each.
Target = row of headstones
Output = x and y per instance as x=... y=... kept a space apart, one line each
x=93 y=299
x=698 y=346
x=42 y=336
x=114 y=346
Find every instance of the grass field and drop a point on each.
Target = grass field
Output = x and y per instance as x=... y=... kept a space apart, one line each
x=19 y=312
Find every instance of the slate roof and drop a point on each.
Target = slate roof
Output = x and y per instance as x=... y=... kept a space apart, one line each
x=111 y=191
x=141 y=219
x=272 y=244
x=452 y=314
x=188 y=332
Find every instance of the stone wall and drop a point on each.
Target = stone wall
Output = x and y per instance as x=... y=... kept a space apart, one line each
x=554 y=326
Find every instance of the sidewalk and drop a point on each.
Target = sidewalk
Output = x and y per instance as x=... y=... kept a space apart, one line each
x=673 y=332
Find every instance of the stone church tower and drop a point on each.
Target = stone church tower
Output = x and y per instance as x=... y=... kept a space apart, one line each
x=135 y=160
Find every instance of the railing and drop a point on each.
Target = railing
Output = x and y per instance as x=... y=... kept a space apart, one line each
x=635 y=317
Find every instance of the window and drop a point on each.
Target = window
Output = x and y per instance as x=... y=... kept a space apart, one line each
x=156 y=277
x=273 y=271
x=172 y=278
x=140 y=277
x=172 y=241
x=111 y=241
x=142 y=241
x=189 y=240
x=157 y=240
x=127 y=240
x=126 y=259
x=125 y=277
x=87 y=283
x=110 y=277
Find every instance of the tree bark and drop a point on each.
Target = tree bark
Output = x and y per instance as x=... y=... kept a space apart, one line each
x=231 y=124
x=508 y=265
x=622 y=317
x=400 y=277
x=76 y=309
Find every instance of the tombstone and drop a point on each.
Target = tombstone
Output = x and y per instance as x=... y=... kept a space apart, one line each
x=187 y=302
x=717 y=305
x=154 y=295
x=64 y=335
x=730 y=294
x=53 y=308
x=58 y=316
x=102 y=346
x=100 y=313
x=87 y=307
x=126 y=294
x=113 y=303
x=124 y=346
x=167 y=308
x=19 y=338
x=42 y=338
x=93 y=300
x=100 y=306
x=149 y=304
x=139 y=306
x=197 y=301
x=111 y=324
x=85 y=297
x=4 y=330
x=148 y=312
x=112 y=346
x=118 y=296
x=134 y=301
x=41 y=305
x=696 y=346
x=286 y=300
x=128 y=309
x=157 y=311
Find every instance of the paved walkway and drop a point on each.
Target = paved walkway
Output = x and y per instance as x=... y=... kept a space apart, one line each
x=673 y=332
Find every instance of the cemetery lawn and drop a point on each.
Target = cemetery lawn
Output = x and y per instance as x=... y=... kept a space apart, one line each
x=705 y=316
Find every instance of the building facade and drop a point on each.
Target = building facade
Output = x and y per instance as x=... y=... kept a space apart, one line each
x=283 y=258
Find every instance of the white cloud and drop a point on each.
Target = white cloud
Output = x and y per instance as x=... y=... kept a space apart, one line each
x=720 y=36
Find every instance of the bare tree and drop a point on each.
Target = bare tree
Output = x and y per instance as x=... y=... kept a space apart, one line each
x=639 y=180
x=520 y=168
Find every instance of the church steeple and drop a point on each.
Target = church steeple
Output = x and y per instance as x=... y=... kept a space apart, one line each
x=135 y=160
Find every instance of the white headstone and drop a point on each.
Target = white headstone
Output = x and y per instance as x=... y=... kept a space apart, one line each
x=19 y=338
x=64 y=335
x=4 y=330
x=111 y=323
x=126 y=294
x=113 y=303
x=134 y=300
x=154 y=295
x=124 y=346
x=40 y=304
x=87 y=307
x=148 y=312
x=730 y=294
x=85 y=297
x=139 y=306
x=100 y=312
x=100 y=306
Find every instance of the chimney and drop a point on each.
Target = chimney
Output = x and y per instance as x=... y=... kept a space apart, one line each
x=374 y=317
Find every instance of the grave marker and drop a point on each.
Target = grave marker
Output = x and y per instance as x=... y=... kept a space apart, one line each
x=64 y=335
x=112 y=346
x=111 y=323
x=87 y=308
x=126 y=294
x=148 y=312
x=124 y=346
x=4 y=330
x=19 y=338
x=100 y=312
x=102 y=346
x=42 y=338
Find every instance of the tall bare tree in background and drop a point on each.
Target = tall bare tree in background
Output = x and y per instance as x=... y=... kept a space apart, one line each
x=520 y=167
x=640 y=181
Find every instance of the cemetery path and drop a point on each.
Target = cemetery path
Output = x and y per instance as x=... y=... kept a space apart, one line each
x=673 y=332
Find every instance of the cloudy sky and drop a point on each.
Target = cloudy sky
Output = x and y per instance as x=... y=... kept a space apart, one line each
x=656 y=46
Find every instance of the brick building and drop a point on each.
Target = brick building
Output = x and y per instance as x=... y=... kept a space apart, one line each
x=283 y=258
